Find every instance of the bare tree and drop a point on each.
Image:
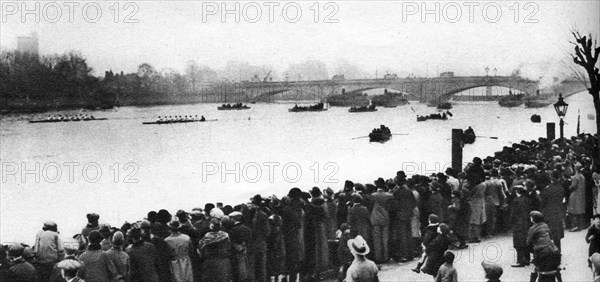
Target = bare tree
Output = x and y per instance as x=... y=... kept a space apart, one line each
x=586 y=55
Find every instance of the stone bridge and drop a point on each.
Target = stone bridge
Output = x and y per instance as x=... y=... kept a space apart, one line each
x=422 y=89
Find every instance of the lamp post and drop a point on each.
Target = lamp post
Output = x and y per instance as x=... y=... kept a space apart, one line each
x=561 y=111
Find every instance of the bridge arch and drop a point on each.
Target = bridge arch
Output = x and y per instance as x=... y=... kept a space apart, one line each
x=448 y=95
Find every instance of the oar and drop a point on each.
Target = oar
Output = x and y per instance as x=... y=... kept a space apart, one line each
x=491 y=137
x=368 y=136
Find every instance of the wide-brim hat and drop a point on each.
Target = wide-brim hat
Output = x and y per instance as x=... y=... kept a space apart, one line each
x=358 y=246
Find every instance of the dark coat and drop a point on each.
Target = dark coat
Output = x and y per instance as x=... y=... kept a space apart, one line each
x=359 y=220
x=593 y=238
x=551 y=205
x=163 y=258
x=215 y=254
x=519 y=218
x=240 y=236
x=403 y=204
x=317 y=251
x=435 y=254
x=543 y=249
x=22 y=271
x=144 y=262
x=429 y=233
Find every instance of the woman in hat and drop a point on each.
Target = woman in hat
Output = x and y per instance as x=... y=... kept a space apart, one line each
x=317 y=250
x=215 y=250
x=180 y=244
x=361 y=269
x=241 y=235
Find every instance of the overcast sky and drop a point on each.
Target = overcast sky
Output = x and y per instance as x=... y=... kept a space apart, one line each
x=370 y=34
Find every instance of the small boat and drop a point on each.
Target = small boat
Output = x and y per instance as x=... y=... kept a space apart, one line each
x=511 y=100
x=314 y=108
x=381 y=134
x=442 y=116
x=591 y=116
x=536 y=118
x=64 y=120
x=444 y=106
x=237 y=106
x=362 y=109
x=537 y=103
x=468 y=136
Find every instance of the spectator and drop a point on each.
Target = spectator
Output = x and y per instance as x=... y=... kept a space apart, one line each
x=69 y=269
x=48 y=248
x=119 y=257
x=180 y=245
x=361 y=269
x=20 y=270
x=215 y=250
x=520 y=209
x=447 y=272
x=98 y=266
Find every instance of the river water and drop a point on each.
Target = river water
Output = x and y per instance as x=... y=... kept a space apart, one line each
x=121 y=169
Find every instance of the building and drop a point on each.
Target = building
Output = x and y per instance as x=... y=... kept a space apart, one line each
x=28 y=44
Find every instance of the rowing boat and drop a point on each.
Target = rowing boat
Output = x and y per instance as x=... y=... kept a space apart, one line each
x=176 y=121
x=66 y=120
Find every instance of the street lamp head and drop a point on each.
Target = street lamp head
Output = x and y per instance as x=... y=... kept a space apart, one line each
x=561 y=106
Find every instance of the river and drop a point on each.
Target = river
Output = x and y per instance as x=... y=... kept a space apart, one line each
x=122 y=169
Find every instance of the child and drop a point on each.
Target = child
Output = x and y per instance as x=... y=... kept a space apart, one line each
x=447 y=272
x=430 y=234
x=345 y=257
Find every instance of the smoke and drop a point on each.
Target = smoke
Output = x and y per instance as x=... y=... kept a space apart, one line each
x=548 y=73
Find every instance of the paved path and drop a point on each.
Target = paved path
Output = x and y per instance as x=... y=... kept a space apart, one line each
x=499 y=249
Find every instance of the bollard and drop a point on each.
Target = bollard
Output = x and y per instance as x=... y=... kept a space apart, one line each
x=550 y=131
x=457 y=145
